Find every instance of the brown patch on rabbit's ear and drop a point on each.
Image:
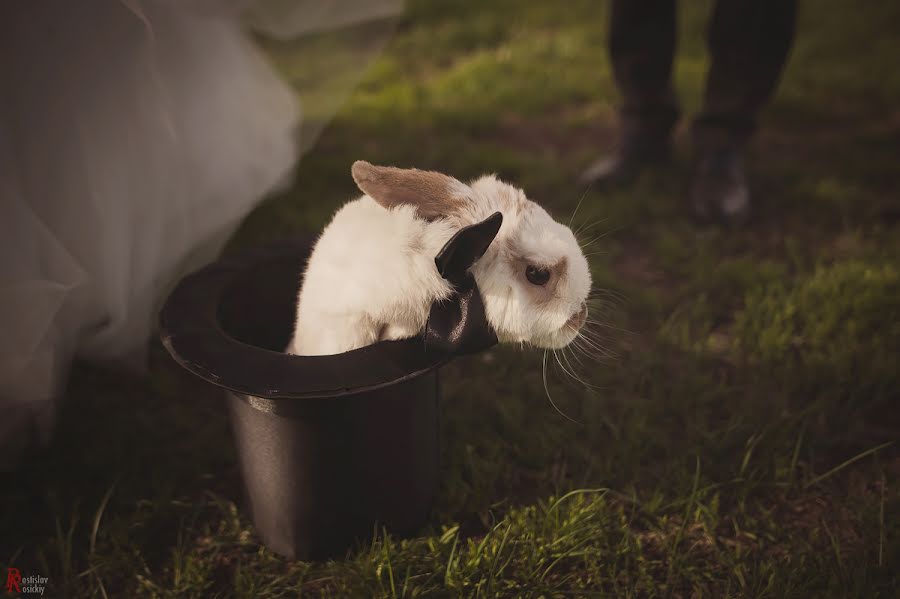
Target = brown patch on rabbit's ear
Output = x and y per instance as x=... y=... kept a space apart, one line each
x=433 y=194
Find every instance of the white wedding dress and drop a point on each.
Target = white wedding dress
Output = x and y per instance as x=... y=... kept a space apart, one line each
x=134 y=137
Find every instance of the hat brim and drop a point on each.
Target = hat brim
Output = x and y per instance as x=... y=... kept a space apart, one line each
x=227 y=323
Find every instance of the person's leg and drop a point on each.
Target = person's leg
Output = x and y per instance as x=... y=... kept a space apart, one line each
x=641 y=47
x=749 y=41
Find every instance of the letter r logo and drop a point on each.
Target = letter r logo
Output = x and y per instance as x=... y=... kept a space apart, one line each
x=13 y=578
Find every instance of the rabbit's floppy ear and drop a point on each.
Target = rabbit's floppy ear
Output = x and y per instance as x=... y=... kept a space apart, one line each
x=459 y=324
x=433 y=194
x=466 y=246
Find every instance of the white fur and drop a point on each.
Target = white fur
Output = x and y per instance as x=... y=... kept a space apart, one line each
x=372 y=276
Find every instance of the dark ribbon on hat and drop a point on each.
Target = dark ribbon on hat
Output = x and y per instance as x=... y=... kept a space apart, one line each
x=458 y=324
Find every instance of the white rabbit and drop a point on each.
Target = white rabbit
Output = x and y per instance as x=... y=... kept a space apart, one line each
x=372 y=273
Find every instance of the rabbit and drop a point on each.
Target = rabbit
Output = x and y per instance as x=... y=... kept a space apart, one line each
x=372 y=276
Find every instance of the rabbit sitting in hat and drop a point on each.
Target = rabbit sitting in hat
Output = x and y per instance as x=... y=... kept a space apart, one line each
x=372 y=275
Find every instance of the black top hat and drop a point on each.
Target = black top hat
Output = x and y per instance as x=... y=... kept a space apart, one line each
x=318 y=435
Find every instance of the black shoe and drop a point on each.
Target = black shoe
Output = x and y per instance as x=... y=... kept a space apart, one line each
x=635 y=152
x=719 y=187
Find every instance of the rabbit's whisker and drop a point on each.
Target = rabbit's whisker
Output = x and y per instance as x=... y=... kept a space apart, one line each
x=567 y=371
x=594 y=334
x=547 y=391
x=599 y=237
x=589 y=224
x=572 y=349
x=606 y=293
x=596 y=346
x=606 y=325
x=572 y=371
x=582 y=227
x=578 y=205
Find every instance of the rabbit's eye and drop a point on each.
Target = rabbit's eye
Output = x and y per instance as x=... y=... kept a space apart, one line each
x=537 y=276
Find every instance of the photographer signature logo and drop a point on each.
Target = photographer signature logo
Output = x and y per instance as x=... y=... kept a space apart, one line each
x=25 y=585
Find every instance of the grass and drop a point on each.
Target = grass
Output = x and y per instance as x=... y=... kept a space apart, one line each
x=743 y=442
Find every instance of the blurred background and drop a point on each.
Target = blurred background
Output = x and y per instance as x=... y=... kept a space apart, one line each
x=738 y=440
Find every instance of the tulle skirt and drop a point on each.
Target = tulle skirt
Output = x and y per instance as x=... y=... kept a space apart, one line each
x=134 y=137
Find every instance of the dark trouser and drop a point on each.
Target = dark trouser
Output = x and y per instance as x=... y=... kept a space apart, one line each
x=748 y=41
